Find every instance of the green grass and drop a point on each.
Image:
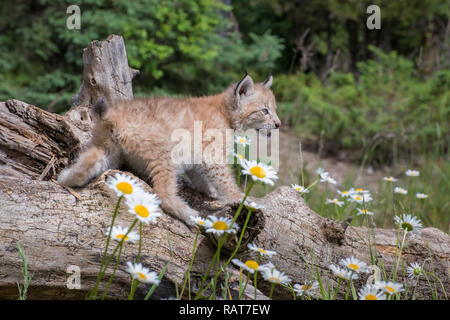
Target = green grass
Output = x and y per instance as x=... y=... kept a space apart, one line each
x=23 y=288
x=388 y=114
x=432 y=211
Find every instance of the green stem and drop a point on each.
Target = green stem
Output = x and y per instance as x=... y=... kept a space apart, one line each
x=219 y=247
x=337 y=289
x=134 y=285
x=223 y=240
x=93 y=293
x=114 y=271
x=271 y=290
x=190 y=264
x=245 y=286
x=138 y=259
x=440 y=282
x=324 y=198
x=218 y=272
x=240 y=238
x=115 y=250
x=394 y=275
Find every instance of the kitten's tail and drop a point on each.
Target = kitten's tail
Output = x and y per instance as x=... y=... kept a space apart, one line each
x=99 y=108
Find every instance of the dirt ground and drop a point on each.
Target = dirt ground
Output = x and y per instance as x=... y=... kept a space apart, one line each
x=289 y=169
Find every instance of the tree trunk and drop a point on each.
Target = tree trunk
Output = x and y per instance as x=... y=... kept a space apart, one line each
x=59 y=227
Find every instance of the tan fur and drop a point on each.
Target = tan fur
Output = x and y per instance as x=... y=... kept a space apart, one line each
x=139 y=131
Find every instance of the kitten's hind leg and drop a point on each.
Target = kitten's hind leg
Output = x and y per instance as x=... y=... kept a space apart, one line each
x=202 y=184
x=89 y=164
x=164 y=179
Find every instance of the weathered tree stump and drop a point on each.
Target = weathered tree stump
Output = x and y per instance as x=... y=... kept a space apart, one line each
x=59 y=227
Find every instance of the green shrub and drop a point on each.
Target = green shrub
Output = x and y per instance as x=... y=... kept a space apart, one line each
x=389 y=110
x=180 y=46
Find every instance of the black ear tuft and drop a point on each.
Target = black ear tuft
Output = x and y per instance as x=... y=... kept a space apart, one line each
x=244 y=87
x=268 y=82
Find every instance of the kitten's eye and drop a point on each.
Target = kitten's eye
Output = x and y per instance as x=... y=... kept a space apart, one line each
x=265 y=111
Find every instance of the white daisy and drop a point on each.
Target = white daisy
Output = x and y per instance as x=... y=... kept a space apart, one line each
x=414 y=270
x=400 y=190
x=261 y=251
x=145 y=206
x=239 y=156
x=412 y=173
x=220 y=225
x=259 y=171
x=325 y=176
x=421 y=196
x=242 y=140
x=390 y=179
x=249 y=265
x=364 y=212
x=275 y=276
x=360 y=191
x=360 y=198
x=198 y=221
x=142 y=274
x=299 y=188
x=253 y=205
x=389 y=287
x=118 y=233
x=306 y=288
x=354 y=264
x=345 y=193
x=342 y=273
x=369 y=292
x=320 y=170
x=123 y=184
x=269 y=266
x=335 y=201
x=408 y=222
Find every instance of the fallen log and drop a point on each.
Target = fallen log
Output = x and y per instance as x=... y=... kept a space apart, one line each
x=63 y=229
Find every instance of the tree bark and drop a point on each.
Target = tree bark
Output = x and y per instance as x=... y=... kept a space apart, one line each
x=59 y=227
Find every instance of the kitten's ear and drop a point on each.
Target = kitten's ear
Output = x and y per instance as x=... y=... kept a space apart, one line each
x=244 y=87
x=268 y=82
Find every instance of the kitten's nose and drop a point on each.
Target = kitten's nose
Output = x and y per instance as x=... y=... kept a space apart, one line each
x=277 y=124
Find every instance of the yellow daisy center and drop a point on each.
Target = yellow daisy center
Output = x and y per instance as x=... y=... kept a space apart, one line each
x=240 y=156
x=358 y=198
x=371 y=297
x=353 y=266
x=241 y=140
x=359 y=190
x=141 y=211
x=306 y=287
x=274 y=279
x=124 y=187
x=390 y=289
x=262 y=250
x=299 y=189
x=258 y=172
x=142 y=276
x=407 y=226
x=220 y=225
x=121 y=236
x=344 y=192
x=389 y=179
x=364 y=210
x=252 y=264
x=200 y=222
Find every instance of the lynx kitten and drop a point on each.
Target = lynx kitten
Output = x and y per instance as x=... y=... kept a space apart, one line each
x=138 y=133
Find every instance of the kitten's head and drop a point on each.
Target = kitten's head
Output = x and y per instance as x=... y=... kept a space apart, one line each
x=252 y=105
